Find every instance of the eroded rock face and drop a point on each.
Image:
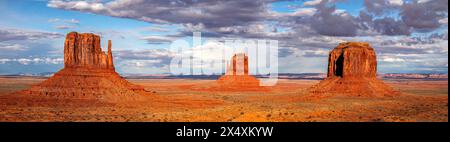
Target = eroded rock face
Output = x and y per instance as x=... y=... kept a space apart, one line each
x=352 y=59
x=352 y=70
x=88 y=74
x=237 y=76
x=84 y=51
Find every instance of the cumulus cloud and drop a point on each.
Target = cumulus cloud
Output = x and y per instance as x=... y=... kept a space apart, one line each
x=218 y=18
x=212 y=13
x=309 y=31
x=424 y=15
x=390 y=26
x=79 y=5
x=380 y=7
x=327 y=22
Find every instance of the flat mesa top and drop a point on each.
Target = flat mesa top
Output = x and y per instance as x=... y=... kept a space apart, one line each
x=73 y=32
x=354 y=44
x=72 y=35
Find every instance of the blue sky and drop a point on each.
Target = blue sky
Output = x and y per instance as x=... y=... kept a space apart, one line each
x=410 y=36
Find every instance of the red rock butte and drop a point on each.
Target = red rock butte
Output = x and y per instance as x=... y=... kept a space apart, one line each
x=88 y=73
x=84 y=51
x=352 y=70
x=237 y=76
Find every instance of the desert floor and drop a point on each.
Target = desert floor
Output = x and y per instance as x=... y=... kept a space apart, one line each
x=188 y=100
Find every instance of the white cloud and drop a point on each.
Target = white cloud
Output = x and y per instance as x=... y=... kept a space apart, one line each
x=141 y=63
x=312 y=2
x=74 y=21
x=63 y=24
x=304 y=12
x=19 y=34
x=63 y=27
x=12 y=47
x=444 y=21
x=391 y=59
x=81 y=5
x=70 y=21
x=27 y=61
x=396 y=2
x=423 y=1
x=341 y=12
x=155 y=39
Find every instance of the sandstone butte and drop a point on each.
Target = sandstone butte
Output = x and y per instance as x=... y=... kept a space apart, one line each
x=237 y=76
x=352 y=70
x=88 y=74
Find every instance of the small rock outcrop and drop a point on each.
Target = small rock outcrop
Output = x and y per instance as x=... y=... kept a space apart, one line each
x=352 y=70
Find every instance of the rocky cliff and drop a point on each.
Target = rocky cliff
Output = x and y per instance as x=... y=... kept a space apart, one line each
x=352 y=59
x=88 y=74
x=352 y=70
x=84 y=51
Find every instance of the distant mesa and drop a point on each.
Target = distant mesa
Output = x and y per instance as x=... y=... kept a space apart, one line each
x=352 y=70
x=88 y=73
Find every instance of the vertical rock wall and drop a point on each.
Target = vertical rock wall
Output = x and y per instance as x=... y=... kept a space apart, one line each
x=352 y=59
x=84 y=50
x=352 y=71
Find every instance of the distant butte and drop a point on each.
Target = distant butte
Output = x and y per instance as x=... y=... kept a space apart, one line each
x=237 y=77
x=352 y=70
x=88 y=73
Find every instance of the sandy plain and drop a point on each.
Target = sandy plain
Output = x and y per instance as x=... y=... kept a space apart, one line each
x=190 y=100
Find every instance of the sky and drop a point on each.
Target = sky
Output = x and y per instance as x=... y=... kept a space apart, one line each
x=409 y=36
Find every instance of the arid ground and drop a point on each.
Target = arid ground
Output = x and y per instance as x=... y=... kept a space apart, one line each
x=180 y=100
